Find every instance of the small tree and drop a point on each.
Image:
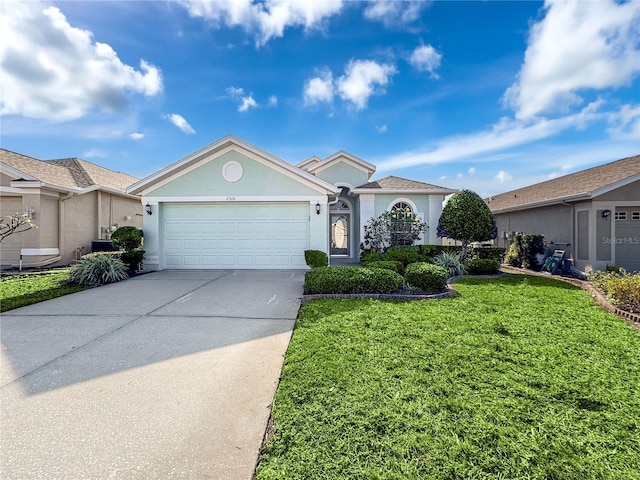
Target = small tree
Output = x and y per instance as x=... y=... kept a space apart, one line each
x=391 y=230
x=467 y=218
x=129 y=239
x=10 y=224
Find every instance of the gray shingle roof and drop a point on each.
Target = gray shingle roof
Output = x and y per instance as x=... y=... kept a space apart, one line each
x=397 y=183
x=583 y=183
x=69 y=172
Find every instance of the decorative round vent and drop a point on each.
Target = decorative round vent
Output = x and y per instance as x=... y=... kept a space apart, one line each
x=232 y=171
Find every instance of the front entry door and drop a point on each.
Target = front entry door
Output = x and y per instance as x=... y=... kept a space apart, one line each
x=340 y=234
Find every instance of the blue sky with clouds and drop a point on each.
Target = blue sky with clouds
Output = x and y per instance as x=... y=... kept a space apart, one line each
x=483 y=95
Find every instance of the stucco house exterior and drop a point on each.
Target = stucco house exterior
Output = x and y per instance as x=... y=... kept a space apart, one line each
x=233 y=205
x=73 y=202
x=593 y=215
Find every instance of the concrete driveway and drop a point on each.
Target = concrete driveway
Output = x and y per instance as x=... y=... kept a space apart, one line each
x=166 y=375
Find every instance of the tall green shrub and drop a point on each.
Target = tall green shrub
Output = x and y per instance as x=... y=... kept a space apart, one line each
x=129 y=239
x=467 y=218
x=524 y=250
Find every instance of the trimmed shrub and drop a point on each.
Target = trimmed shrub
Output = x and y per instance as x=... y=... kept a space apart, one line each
x=132 y=259
x=489 y=253
x=433 y=250
x=98 y=269
x=316 y=258
x=426 y=276
x=405 y=255
x=351 y=280
x=482 y=266
x=127 y=238
x=367 y=256
x=524 y=250
x=387 y=265
x=451 y=262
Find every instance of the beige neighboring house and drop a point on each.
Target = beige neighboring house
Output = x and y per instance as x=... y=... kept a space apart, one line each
x=593 y=215
x=73 y=202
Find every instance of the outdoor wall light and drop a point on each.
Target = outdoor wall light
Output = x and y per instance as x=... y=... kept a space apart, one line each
x=606 y=213
x=318 y=208
x=147 y=207
x=28 y=213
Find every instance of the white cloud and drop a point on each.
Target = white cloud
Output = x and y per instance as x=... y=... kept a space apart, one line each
x=381 y=129
x=54 y=71
x=503 y=176
x=180 y=122
x=505 y=134
x=94 y=153
x=319 y=89
x=264 y=19
x=136 y=136
x=472 y=171
x=576 y=46
x=362 y=79
x=394 y=13
x=235 y=92
x=272 y=101
x=459 y=175
x=625 y=123
x=247 y=103
x=425 y=58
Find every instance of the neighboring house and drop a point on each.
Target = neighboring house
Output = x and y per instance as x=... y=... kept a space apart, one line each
x=593 y=215
x=73 y=202
x=233 y=205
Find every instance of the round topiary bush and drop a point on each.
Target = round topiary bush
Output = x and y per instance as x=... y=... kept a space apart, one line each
x=426 y=276
x=351 y=280
x=482 y=266
x=127 y=238
x=316 y=258
x=387 y=265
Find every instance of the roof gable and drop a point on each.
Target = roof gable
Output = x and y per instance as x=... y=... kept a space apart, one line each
x=219 y=148
x=70 y=173
x=585 y=184
x=309 y=163
x=347 y=158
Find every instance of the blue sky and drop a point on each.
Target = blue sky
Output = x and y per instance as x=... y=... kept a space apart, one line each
x=489 y=96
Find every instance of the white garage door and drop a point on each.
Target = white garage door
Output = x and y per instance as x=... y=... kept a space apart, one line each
x=11 y=245
x=628 y=238
x=240 y=235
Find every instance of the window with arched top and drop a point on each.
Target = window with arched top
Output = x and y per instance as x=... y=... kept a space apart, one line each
x=403 y=216
x=402 y=211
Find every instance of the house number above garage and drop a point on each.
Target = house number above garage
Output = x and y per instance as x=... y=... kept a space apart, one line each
x=232 y=171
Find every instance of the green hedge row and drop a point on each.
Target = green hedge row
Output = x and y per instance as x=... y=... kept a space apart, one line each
x=351 y=280
x=425 y=253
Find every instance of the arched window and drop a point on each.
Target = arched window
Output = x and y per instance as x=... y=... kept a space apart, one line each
x=403 y=216
x=403 y=211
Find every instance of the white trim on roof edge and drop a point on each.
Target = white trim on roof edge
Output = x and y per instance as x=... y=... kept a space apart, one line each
x=311 y=199
x=355 y=161
x=202 y=156
x=15 y=173
x=398 y=191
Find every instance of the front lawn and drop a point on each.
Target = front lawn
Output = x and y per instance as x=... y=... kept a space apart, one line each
x=20 y=290
x=515 y=378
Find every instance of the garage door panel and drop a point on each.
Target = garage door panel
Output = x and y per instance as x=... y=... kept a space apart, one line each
x=236 y=236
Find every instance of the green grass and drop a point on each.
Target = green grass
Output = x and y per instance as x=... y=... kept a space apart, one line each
x=20 y=290
x=515 y=378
